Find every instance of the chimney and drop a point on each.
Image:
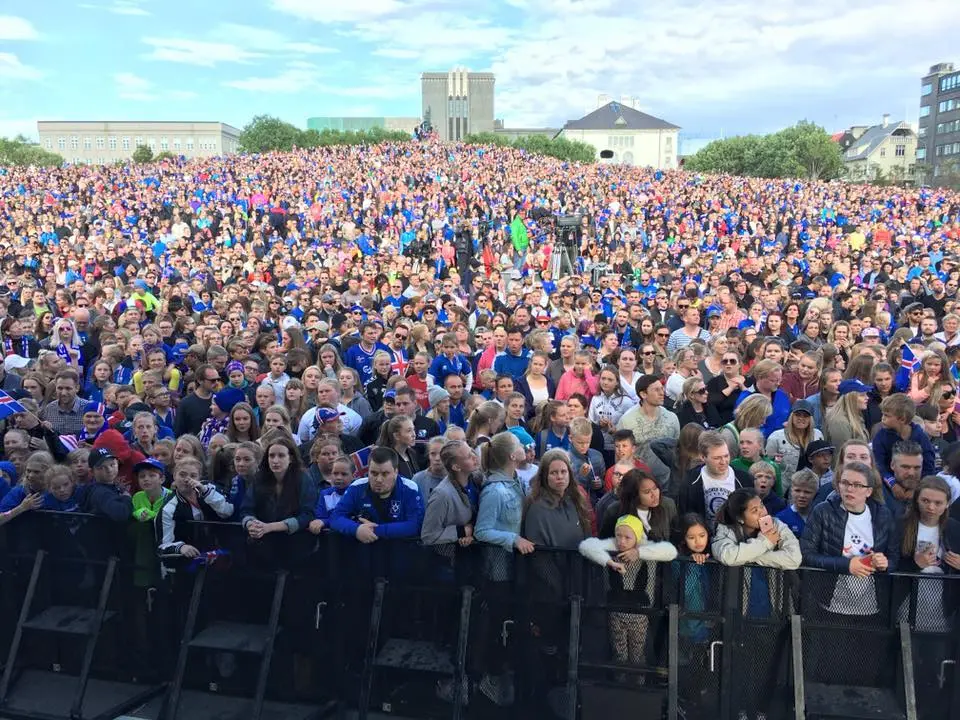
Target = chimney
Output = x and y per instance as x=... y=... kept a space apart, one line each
x=886 y=119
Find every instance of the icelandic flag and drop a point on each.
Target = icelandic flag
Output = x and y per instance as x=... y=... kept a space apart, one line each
x=908 y=366
x=9 y=406
x=361 y=460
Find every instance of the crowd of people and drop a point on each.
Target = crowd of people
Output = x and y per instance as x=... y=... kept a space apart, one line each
x=374 y=342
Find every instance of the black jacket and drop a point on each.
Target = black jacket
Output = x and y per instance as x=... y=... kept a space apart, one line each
x=107 y=501
x=690 y=495
x=822 y=538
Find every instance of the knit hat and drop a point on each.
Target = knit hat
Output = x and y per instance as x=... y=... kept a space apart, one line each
x=634 y=523
x=95 y=407
x=228 y=397
x=437 y=395
x=234 y=366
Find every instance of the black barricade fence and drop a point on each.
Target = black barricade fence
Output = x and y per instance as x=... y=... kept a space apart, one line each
x=361 y=624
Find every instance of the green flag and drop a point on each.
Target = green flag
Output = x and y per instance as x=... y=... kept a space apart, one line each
x=518 y=234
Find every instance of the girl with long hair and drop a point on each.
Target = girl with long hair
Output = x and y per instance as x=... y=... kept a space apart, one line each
x=608 y=406
x=789 y=443
x=399 y=435
x=484 y=422
x=693 y=406
x=844 y=420
x=242 y=424
x=641 y=495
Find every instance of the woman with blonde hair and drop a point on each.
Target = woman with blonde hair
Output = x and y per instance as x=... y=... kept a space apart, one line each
x=789 y=443
x=844 y=421
x=767 y=376
x=751 y=413
x=933 y=368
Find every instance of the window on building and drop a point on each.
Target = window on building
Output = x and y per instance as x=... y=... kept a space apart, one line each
x=189 y=143
x=176 y=144
x=112 y=143
x=74 y=143
x=137 y=141
x=921 y=153
x=883 y=152
x=152 y=143
x=213 y=144
x=164 y=145
x=48 y=144
x=101 y=143
x=125 y=143
x=950 y=82
x=922 y=132
x=926 y=89
x=924 y=110
x=948 y=105
x=86 y=143
x=901 y=151
x=62 y=143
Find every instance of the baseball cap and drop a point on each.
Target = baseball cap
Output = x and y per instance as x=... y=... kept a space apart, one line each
x=15 y=362
x=98 y=456
x=802 y=406
x=150 y=464
x=870 y=332
x=849 y=386
x=817 y=447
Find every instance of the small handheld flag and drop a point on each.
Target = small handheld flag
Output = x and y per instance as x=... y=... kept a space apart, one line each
x=9 y=406
x=361 y=460
x=908 y=366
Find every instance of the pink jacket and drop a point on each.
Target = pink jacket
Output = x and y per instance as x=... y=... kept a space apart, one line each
x=570 y=384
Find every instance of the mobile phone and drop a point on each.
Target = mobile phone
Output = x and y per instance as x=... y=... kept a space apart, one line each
x=766 y=524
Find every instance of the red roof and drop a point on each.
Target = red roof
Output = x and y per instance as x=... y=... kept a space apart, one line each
x=836 y=136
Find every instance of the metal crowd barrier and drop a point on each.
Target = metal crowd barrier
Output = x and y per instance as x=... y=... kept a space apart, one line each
x=96 y=625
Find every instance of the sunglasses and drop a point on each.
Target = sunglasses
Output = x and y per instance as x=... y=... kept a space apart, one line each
x=699 y=391
x=648 y=352
x=948 y=393
x=665 y=335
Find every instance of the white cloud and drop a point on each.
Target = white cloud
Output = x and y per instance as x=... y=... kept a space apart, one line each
x=122 y=7
x=268 y=41
x=338 y=12
x=296 y=77
x=198 y=52
x=133 y=87
x=16 y=28
x=12 y=69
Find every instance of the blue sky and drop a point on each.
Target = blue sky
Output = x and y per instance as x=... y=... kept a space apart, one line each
x=710 y=66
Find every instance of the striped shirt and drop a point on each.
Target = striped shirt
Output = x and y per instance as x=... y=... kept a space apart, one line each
x=65 y=422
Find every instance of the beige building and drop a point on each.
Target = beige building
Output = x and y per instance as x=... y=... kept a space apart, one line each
x=889 y=148
x=94 y=142
x=625 y=136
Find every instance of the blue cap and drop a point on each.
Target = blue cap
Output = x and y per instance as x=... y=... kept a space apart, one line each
x=95 y=407
x=525 y=438
x=150 y=464
x=849 y=386
x=356 y=308
x=390 y=395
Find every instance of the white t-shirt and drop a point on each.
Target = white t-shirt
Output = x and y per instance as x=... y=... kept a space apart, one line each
x=856 y=595
x=716 y=491
x=930 y=615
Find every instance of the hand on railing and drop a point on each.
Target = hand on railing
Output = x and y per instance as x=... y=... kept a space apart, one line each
x=467 y=538
x=699 y=558
x=366 y=532
x=952 y=559
x=523 y=546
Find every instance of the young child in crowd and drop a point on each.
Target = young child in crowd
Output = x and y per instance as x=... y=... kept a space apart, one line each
x=624 y=451
x=693 y=578
x=63 y=494
x=340 y=477
x=527 y=469
x=803 y=489
x=764 y=478
x=147 y=502
x=587 y=463
x=277 y=378
x=626 y=554
x=428 y=479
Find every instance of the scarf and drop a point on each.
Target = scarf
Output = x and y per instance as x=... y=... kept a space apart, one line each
x=212 y=426
x=24 y=347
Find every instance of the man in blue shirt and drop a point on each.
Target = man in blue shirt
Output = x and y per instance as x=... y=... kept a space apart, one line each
x=514 y=359
x=381 y=506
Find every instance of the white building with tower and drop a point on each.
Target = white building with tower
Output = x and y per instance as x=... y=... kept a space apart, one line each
x=624 y=135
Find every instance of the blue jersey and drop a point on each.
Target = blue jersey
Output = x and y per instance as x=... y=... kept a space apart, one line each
x=442 y=367
x=362 y=361
x=513 y=365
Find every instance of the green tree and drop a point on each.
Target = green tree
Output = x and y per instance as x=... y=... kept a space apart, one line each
x=142 y=154
x=265 y=134
x=803 y=150
x=560 y=148
x=19 y=151
x=166 y=155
